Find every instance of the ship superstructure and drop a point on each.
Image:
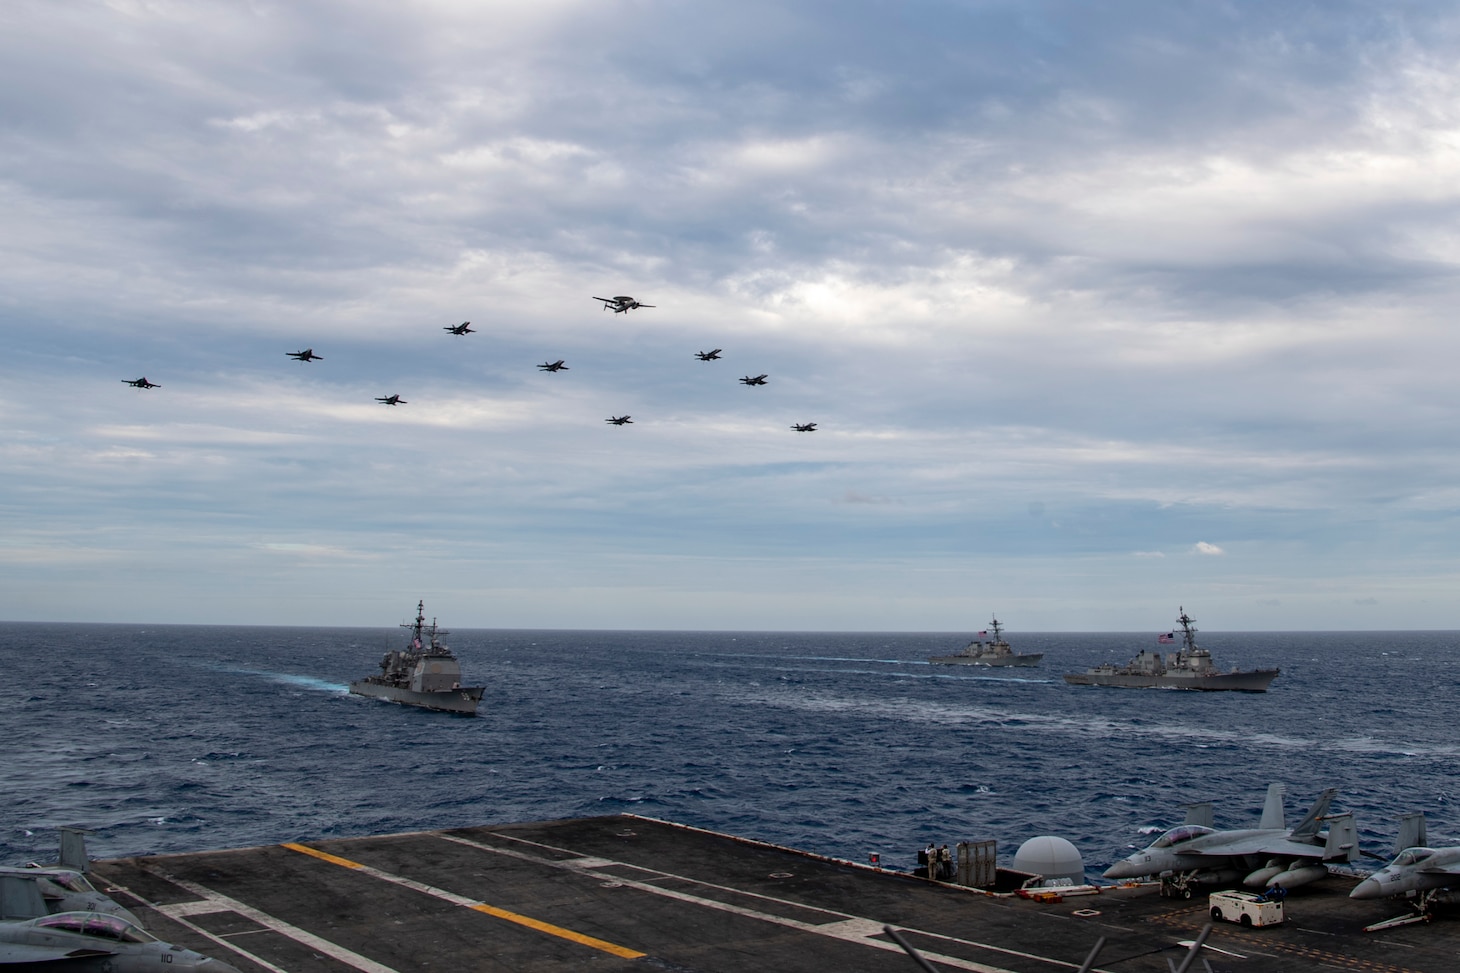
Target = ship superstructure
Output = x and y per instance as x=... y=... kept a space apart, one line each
x=1190 y=667
x=424 y=673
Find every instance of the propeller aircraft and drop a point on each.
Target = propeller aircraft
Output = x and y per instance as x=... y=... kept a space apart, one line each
x=621 y=304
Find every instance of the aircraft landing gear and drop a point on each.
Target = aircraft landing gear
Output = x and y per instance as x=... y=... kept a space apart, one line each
x=1423 y=905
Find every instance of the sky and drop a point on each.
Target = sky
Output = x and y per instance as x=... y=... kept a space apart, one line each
x=1102 y=310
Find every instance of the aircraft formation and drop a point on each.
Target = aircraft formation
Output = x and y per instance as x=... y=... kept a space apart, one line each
x=620 y=304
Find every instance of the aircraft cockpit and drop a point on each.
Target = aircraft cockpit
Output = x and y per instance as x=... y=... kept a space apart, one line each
x=72 y=881
x=1181 y=835
x=96 y=924
x=1413 y=856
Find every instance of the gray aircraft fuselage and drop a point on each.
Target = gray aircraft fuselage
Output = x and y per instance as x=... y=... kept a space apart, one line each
x=94 y=943
x=1412 y=870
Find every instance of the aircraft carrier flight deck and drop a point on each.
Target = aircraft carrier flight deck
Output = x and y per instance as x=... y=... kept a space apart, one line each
x=629 y=893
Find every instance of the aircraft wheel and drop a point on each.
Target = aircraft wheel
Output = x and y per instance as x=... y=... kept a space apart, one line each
x=1186 y=893
x=1216 y=915
x=1246 y=919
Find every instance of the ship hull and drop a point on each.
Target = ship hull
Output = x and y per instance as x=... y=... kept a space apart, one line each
x=1008 y=660
x=1256 y=681
x=463 y=701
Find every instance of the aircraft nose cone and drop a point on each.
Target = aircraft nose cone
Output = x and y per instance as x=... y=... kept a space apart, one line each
x=1367 y=889
x=1121 y=869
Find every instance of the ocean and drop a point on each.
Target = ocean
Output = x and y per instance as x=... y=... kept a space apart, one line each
x=183 y=738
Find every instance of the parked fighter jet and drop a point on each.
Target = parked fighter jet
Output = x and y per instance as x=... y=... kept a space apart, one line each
x=553 y=366
x=391 y=400
x=1416 y=868
x=708 y=355
x=1196 y=853
x=620 y=304
x=620 y=421
x=38 y=890
x=141 y=383
x=804 y=426
x=462 y=328
x=89 y=942
x=305 y=355
x=754 y=380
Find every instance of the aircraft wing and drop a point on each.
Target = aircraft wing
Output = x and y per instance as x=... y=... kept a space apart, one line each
x=15 y=953
x=1276 y=845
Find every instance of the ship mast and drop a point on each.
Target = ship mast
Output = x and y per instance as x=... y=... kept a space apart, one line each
x=998 y=631
x=1188 y=632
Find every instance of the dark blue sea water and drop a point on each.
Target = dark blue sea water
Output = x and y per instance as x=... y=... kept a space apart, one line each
x=177 y=738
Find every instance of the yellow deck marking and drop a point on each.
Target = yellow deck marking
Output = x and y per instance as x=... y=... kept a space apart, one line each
x=558 y=931
x=323 y=856
x=461 y=900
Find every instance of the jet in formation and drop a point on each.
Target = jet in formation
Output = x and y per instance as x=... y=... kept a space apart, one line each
x=620 y=421
x=141 y=383
x=553 y=366
x=713 y=355
x=1416 y=868
x=804 y=426
x=305 y=355
x=621 y=304
x=1269 y=855
x=391 y=400
x=754 y=379
x=92 y=942
x=462 y=328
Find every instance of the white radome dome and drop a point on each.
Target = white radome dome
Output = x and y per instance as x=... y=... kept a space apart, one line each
x=1052 y=857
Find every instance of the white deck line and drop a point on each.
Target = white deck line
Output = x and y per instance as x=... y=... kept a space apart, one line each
x=332 y=950
x=850 y=928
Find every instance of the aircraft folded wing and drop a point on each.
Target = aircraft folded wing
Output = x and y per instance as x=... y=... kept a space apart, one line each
x=14 y=953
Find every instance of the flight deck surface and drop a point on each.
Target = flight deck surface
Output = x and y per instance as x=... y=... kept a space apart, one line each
x=629 y=893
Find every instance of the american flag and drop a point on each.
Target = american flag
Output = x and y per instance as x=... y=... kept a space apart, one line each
x=1166 y=638
x=983 y=633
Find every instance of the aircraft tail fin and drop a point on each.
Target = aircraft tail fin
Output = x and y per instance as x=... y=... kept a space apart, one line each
x=1200 y=814
x=1272 y=811
x=1411 y=832
x=20 y=898
x=1343 y=839
x=73 y=849
x=1308 y=827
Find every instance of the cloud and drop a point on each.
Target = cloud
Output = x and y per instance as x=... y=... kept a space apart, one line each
x=1202 y=547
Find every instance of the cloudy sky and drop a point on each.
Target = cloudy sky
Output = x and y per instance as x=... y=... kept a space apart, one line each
x=1102 y=310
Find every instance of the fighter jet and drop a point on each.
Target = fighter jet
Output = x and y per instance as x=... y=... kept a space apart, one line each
x=553 y=366
x=1416 y=868
x=391 y=400
x=38 y=890
x=620 y=421
x=708 y=355
x=620 y=304
x=462 y=328
x=754 y=380
x=804 y=426
x=141 y=383
x=90 y=942
x=1196 y=853
x=305 y=355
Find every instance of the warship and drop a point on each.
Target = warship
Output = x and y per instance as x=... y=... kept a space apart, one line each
x=1190 y=667
x=423 y=674
x=994 y=652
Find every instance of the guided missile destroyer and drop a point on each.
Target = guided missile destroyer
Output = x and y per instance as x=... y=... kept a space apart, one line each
x=994 y=652
x=423 y=674
x=1188 y=668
